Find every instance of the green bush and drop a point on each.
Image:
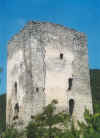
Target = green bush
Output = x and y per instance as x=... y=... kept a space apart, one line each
x=47 y=124
x=91 y=127
x=50 y=124
x=10 y=133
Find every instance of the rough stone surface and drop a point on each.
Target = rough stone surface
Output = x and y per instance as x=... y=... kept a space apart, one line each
x=36 y=74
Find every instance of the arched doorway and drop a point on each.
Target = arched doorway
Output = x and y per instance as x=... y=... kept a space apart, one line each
x=71 y=106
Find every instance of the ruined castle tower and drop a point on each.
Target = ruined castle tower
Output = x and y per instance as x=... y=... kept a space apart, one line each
x=47 y=61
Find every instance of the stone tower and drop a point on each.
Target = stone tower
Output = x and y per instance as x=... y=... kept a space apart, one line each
x=47 y=61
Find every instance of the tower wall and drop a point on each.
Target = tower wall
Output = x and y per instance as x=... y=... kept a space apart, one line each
x=45 y=62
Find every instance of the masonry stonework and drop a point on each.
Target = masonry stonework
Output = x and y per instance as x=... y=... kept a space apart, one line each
x=47 y=61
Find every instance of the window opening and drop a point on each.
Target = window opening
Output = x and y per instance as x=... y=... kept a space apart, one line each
x=32 y=117
x=15 y=117
x=37 y=89
x=16 y=107
x=16 y=87
x=61 y=55
x=71 y=106
x=70 y=83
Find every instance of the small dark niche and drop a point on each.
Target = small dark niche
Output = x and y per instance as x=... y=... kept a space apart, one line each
x=16 y=107
x=15 y=117
x=30 y=73
x=32 y=117
x=61 y=55
x=37 y=89
x=70 y=83
x=15 y=85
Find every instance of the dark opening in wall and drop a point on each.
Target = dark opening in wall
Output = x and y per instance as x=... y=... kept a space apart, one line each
x=32 y=117
x=16 y=107
x=37 y=89
x=15 y=85
x=15 y=117
x=71 y=106
x=70 y=83
x=61 y=55
x=30 y=73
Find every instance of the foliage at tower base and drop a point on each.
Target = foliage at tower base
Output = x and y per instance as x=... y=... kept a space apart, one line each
x=90 y=129
x=50 y=124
